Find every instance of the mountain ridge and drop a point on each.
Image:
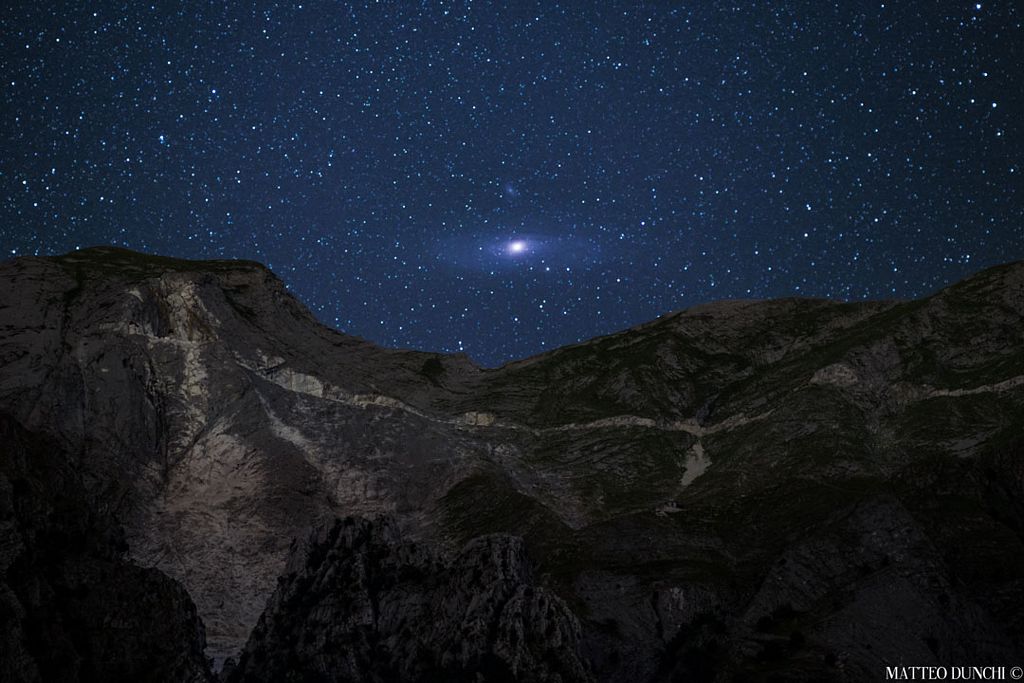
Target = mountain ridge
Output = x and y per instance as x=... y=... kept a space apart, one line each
x=156 y=261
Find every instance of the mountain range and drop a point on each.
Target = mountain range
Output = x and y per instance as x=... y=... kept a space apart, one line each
x=199 y=481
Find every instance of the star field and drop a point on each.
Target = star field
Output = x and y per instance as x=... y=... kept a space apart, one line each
x=500 y=181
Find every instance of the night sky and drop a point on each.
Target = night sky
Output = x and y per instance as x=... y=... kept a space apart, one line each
x=466 y=176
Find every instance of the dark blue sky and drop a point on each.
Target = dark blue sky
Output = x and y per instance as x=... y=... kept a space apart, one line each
x=465 y=176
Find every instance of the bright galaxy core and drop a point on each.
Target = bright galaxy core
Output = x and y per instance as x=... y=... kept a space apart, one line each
x=505 y=178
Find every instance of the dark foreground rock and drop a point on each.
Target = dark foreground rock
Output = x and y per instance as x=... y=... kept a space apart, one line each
x=71 y=607
x=360 y=603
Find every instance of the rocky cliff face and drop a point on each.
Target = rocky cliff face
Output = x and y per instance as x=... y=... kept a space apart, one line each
x=357 y=602
x=73 y=609
x=793 y=488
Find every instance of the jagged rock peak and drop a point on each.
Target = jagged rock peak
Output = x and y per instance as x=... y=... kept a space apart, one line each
x=358 y=602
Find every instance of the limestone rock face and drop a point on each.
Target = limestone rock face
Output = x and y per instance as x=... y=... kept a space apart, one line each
x=794 y=489
x=360 y=603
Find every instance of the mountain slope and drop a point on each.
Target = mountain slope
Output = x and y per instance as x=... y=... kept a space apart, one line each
x=741 y=489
